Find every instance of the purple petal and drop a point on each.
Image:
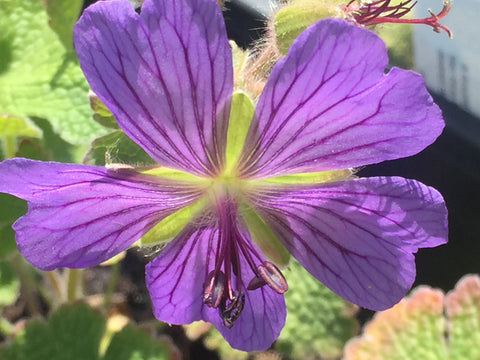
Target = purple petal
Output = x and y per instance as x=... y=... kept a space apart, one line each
x=165 y=74
x=80 y=215
x=328 y=105
x=175 y=281
x=358 y=236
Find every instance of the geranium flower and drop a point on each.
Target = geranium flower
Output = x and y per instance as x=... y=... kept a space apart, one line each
x=327 y=107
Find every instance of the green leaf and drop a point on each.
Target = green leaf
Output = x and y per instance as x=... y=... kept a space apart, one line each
x=38 y=76
x=241 y=114
x=12 y=128
x=73 y=332
x=10 y=209
x=134 y=344
x=462 y=307
x=426 y=325
x=319 y=322
x=9 y=284
x=63 y=14
x=17 y=126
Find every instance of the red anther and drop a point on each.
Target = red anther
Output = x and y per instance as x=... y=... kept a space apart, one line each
x=214 y=289
x=273 y=277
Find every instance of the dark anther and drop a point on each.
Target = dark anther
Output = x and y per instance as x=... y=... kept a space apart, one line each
x=255 y=283
x=214 y=288
x=231 y=311
x=272 y=276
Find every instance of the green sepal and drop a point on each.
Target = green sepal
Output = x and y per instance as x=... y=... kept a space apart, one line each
x=310 y=177
x=166 y=172
x=241 y=114
x=116 y=147
x=106 y=121
x=170 y=226
x=264 y=237
x=102 y=115
x=296 y=16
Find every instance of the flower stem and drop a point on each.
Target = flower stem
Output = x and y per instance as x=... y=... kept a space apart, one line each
x=52 y=277
x=27 y=284
x=73 y=283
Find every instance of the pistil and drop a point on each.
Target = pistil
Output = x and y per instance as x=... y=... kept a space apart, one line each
x=382 y=11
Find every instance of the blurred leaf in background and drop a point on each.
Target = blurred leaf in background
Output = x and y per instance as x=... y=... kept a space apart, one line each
x=9 y=284
x=74 y=332
x=426 y=325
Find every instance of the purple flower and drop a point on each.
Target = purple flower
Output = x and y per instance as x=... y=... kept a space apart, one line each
x=166 y=75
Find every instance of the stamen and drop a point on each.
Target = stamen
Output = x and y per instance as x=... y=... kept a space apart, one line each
x=381 y=11
x=214 y=289
x=232 y=311
x=273 y=277
x=255 y=283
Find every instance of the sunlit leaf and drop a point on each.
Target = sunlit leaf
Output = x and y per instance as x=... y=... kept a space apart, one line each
x=319 y=322
x=425 y=325
x=38 y=76
x=62 y=16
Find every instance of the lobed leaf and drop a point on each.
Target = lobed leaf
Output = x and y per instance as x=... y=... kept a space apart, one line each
x=74 y=332
x=426 y=325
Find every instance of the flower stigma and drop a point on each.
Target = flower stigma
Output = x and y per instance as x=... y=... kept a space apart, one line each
x=383 y=11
